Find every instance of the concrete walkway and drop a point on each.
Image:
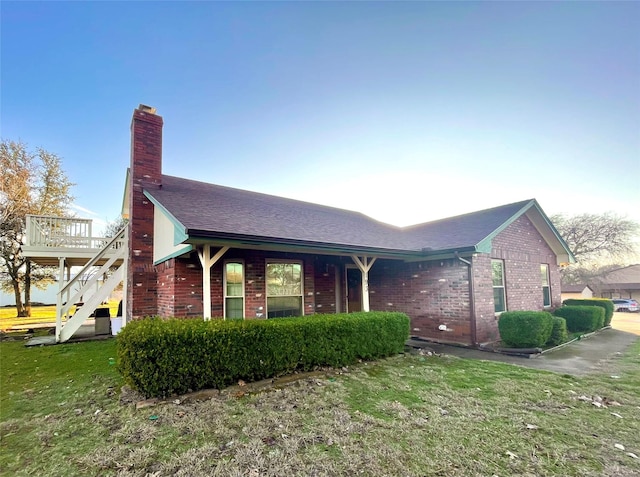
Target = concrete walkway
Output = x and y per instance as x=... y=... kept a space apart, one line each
x=578 y=358
x=86 y=332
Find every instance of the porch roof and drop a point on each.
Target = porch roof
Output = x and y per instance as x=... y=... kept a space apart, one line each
x=210 y=211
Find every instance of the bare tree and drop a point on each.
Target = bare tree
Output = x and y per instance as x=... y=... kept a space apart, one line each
x=596 y=236
x=30 y=183
x=597 y=241
x=115 y=226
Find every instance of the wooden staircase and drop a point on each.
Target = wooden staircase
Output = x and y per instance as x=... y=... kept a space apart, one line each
x=116 y=275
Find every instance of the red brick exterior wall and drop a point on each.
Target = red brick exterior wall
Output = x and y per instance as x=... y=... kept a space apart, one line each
x=179 y=288
x=523 y=250
x=179 y=284
x=431 y=293
x=325 y=286
x=146 y=164
x=486 y=319
x=438 y=293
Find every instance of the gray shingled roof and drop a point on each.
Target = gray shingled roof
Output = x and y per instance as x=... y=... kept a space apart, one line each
x=573 y=288
x=463 y=230
x=209 y=210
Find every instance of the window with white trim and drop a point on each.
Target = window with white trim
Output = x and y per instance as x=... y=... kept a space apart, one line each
x=284 y=289
x=234 y=290
x=546 y=288
x=499 y=296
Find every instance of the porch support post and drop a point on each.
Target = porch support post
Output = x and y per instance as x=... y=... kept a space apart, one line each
x=207 y=261
x=364 y=264
x=68 y=297
x=59 y=299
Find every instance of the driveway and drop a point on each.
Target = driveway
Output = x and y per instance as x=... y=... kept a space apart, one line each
x=629 y=322
x=579 y=358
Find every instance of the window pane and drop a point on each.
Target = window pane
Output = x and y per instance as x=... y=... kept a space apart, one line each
x=233 y=308
x=497 y=273
x=234 y=289
x=284 y=306
x=234 y=278
x=234 y=292
x=546 y=296
x=544 y=271
x=284 y=279
x=498 y=299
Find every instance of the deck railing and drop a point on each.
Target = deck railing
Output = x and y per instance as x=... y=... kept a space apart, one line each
x=63 y=232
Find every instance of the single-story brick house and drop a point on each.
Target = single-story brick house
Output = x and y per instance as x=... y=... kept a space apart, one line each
x=576 y=291
x=622 y=282
x=265 y=256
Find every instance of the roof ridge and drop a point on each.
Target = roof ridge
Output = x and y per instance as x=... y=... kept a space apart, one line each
x=520 y=203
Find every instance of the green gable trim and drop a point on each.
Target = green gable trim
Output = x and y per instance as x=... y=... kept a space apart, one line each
x=186 y=249
x=179 y=231
x=179 y=236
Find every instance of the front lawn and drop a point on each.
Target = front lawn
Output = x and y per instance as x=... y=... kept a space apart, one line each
x=39 y=314
x=409 y=415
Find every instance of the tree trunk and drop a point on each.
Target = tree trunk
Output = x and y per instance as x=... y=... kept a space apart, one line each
x=27 y=288
x=19 y=307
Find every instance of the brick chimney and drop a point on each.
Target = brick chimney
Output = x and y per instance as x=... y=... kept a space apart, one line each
x=145 y=173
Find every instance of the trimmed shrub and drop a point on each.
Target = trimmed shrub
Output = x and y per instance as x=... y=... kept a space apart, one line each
x=525 y=329
x=559 y=332
x=582 y=318
x=164 y=357
x=602 y=302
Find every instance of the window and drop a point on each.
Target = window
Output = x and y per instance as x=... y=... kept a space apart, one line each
x=546 y=289
x=284 y=289
x=234 y=290
x=497 y=274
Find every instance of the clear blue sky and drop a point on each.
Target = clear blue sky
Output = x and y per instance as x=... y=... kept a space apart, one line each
x=407 y=112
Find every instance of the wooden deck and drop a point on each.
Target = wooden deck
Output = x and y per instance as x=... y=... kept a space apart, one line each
x=52 y=238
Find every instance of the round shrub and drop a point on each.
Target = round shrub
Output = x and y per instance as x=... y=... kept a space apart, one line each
x=582 y=318
x=525 y=329
x=604 y=303
x=559 y=332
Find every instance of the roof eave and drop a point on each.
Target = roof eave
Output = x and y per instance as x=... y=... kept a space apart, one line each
x=303 y=246
x=204 y=236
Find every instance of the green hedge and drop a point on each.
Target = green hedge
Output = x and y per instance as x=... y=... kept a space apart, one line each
x=164 y=357
x=525 y=329
x=582 y=318
x=602 y=302
x=559 y=332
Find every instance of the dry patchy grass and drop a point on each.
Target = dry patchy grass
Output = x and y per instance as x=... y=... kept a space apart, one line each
x=408 y=415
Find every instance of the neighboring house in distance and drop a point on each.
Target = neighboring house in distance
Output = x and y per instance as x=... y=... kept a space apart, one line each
x=265 y=256
x=576 y=291
x=621 y=283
